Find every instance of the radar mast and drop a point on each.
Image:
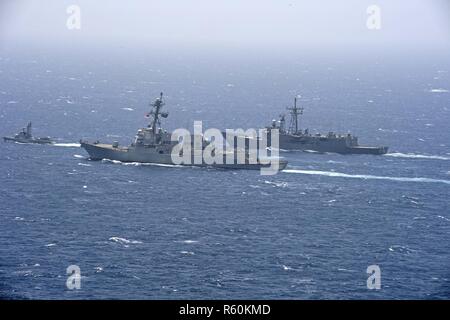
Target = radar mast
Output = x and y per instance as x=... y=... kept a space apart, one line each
x=156 y=113
x=294 y=112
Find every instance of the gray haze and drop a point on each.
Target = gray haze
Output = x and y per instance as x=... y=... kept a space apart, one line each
x=268 y=24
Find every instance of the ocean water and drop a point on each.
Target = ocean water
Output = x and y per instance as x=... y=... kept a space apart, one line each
x=156 y=232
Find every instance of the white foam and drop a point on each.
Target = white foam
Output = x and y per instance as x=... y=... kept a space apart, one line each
x=84 y=164
x=400 y=249
x=439 y=90
x=416 y=156
x=387 y=130
x=345 y=270
x=124 y=241
x=153 y=164
x=277 y=184
x=137 y=164
x=336 y=162
x=188 y=241
x=50 y=245
x=112 y=161
x=365 y=176
x=67 y=145
x=98 y=269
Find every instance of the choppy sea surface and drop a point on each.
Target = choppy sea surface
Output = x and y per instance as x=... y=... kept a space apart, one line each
x=150 y=232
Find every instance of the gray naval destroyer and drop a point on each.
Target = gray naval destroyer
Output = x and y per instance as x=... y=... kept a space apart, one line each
x=296 y=139
x=25 y=136
x=154 y=145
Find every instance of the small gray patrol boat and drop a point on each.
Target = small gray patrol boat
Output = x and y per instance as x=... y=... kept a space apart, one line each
x=25 y=136
x=296 y=139
x=154 y=145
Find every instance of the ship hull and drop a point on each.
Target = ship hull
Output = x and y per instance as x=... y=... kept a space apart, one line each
x=367 y=150
x=152 y=155
x=35 y=141
x=324 y=145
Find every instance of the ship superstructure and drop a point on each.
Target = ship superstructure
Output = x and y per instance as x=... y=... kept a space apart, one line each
x=153 y=144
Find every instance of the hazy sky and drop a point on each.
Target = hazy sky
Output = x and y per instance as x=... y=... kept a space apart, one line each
x=274 y=24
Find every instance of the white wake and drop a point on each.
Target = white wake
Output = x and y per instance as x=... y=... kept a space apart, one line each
x=137 y=164
x=67 y=145
x=365 y=176
x=416 y=156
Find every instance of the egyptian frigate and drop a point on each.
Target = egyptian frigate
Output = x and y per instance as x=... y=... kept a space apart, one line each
x=294 y=138
x=26 y=136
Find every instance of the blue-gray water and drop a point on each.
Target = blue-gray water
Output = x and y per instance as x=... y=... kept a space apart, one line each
x=143 y=231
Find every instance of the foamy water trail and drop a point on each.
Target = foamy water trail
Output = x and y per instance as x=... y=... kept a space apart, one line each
x=310 y=151
x=415 y=156
x=151 y=164
x=365 y=176
x=67 y=145
x=137 y=164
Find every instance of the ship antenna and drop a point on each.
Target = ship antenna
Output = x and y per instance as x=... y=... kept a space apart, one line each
x=296 y=115
x=295 y=112
x=157 y=105
x=29 y=129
